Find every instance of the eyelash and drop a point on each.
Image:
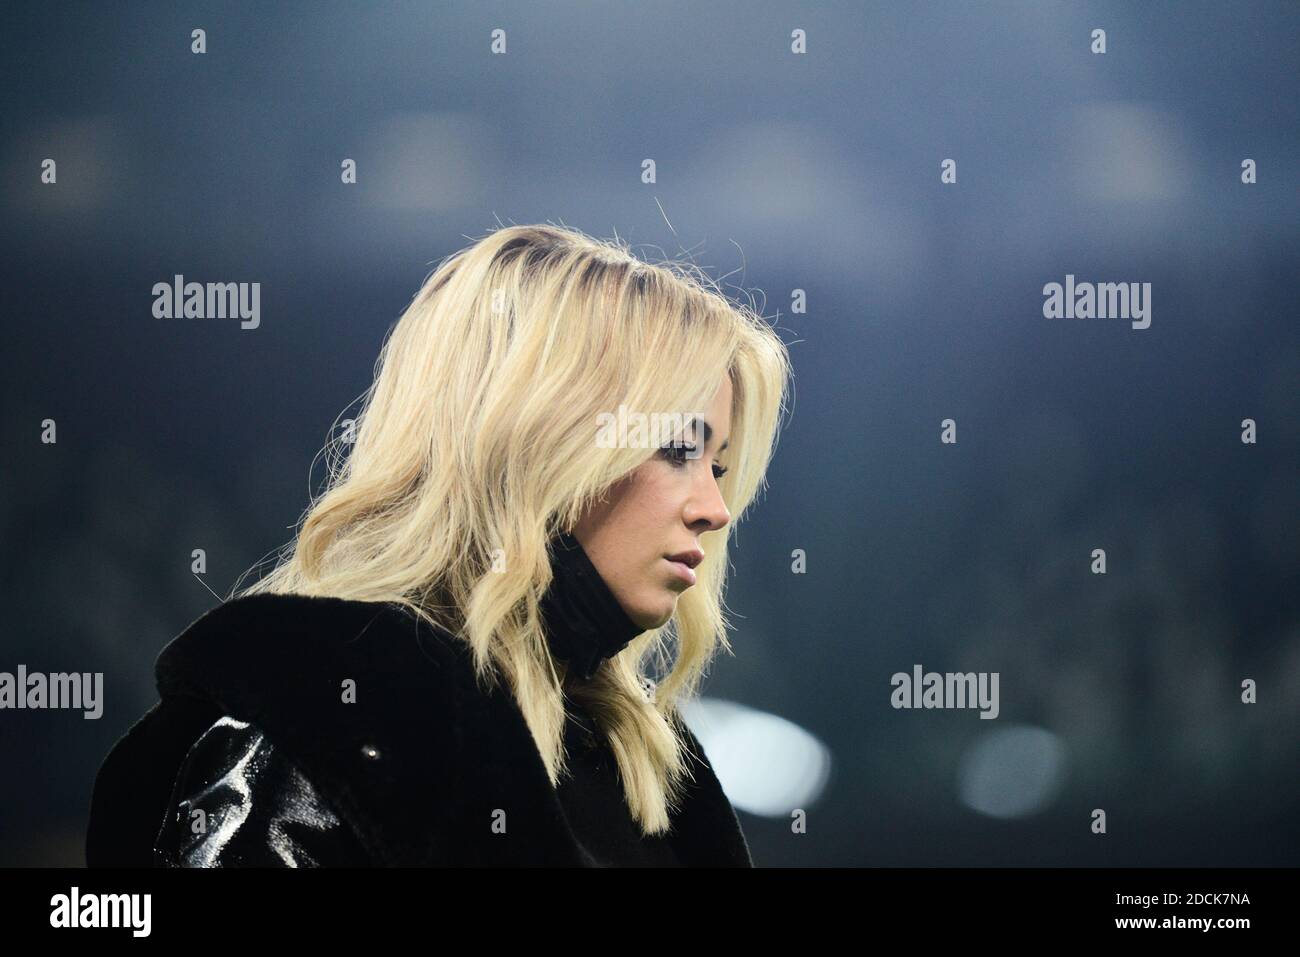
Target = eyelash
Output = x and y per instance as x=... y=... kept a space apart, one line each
x=670 y=453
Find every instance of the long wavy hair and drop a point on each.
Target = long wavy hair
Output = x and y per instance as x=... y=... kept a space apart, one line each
x=476 y=444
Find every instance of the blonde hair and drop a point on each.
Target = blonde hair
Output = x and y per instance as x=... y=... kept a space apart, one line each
x=475 y=445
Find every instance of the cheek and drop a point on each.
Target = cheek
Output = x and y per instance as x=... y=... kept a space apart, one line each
x=638 y=524
x=660 y=479
x=655 y=498
x=615 y=524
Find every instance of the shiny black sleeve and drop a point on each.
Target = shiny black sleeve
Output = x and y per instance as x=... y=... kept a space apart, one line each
x=239 y=802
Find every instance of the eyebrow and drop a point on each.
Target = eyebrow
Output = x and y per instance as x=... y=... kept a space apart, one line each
x=708 y=434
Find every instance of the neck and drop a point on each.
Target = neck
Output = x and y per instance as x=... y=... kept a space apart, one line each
x=584 y=622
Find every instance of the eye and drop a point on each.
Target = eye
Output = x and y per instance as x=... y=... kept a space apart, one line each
x=676 y=455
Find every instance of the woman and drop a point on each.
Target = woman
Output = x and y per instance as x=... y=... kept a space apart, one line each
x=447 y=665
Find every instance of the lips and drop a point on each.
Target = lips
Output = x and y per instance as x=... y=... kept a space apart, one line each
x=690 y=558
x=682 y=571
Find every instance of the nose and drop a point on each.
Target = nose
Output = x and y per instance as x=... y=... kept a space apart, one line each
x=706 y=510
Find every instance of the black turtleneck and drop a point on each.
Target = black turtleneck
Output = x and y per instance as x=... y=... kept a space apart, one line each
x=584 y=622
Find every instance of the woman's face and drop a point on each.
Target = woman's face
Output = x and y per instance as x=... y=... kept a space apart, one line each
x=657 y=511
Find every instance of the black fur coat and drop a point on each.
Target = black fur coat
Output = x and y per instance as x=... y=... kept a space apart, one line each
x=416 y=766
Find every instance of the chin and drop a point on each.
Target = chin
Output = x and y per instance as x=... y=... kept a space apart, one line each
x=649 y=617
